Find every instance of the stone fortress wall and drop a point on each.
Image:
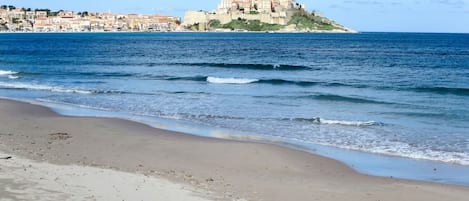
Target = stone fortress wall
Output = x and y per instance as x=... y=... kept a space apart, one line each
x=267 y=11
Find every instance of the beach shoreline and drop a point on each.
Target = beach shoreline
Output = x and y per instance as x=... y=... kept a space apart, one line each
x=232 y=169
x=368 y=163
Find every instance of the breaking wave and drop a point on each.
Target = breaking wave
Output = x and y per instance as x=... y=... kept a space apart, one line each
x=318 y=120
x=42 y=88
x=217 y=80
x=39 y=87
x=13 y=77
x=7 y=72
x=259 y=81
x=10 y=74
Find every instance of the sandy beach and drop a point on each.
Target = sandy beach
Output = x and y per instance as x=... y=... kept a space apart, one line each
x=94 y=155
x=22 y=179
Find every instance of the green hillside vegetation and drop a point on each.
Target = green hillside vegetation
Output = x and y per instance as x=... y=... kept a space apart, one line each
x=310 y=21
x=243 y=24
x=302 y=20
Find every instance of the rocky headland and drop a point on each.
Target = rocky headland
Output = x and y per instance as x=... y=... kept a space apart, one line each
x=261 y=16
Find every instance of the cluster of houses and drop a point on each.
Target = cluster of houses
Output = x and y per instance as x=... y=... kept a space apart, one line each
x=26 y=20
x=261 y=6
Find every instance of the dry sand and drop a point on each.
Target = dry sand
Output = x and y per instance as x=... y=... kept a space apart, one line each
x=219 y=169
x=22 y=179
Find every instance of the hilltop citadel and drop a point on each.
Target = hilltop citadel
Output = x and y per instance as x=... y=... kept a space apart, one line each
x=267 y=11
x=261 y=15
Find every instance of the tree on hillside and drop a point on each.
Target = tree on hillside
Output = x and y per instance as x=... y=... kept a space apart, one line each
x=16 y=20
x=84 y=13
x=42 y=9
x=54 y=13
x=5 y=7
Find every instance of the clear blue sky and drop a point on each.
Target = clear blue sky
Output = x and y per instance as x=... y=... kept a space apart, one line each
x=362 y=15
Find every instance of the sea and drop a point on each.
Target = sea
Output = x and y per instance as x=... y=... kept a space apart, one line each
x=386 y=104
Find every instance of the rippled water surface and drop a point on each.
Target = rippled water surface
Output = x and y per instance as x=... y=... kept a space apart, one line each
x=397 y=94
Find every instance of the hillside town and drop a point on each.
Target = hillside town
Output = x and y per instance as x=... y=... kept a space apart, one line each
x=14 y=19
x=229 y=16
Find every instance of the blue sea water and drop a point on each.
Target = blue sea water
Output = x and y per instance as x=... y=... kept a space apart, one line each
x=404 y=95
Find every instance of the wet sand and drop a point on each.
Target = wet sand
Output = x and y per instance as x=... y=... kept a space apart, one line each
x=220 y=169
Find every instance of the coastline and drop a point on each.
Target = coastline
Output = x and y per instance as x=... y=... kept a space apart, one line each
x=368 y=163
x=188 y=31
x=232 y=169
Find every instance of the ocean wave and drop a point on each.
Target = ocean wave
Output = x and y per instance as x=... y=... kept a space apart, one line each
x=260 y=81
x=421 y=114
x=42 y=88
x=213 y=116
x=304 y=83
x=217 y=80
x=120 y=92
x=443 y=90
x=308 y=83
x=287 y=82
x=193 y=78
x=318 y=120
x=251 y=66
x=38 y=87
x=89 y=82
x=13 y=77
x=401 y=149
x=285 y=67
x=69 y=73
x=338 y=84
x=7 y=72
x=106 y=74
x=332 y=97
x=97 y=74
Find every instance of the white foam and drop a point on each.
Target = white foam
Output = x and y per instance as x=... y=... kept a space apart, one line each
x=41 y=88
x=383 y=140
x=402 y=149
x=7 y=72
x=346 y=123
x=349 y=123
x=217 y=80
x=13 y=77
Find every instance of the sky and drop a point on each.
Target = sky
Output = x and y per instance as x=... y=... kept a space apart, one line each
x=362 y=15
